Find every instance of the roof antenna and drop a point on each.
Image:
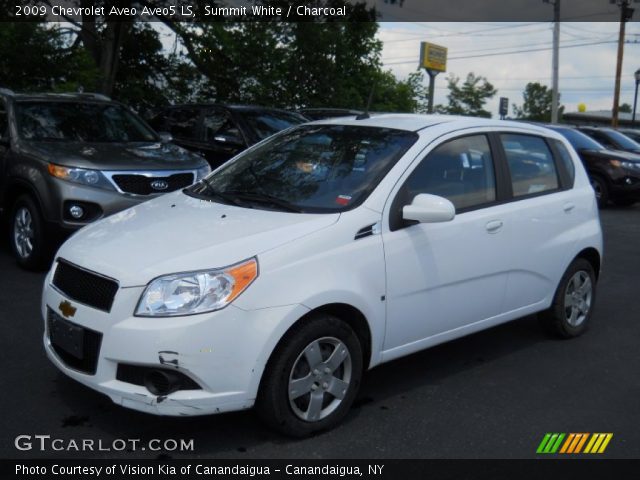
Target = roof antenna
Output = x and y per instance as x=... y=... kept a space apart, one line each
x=364 y=115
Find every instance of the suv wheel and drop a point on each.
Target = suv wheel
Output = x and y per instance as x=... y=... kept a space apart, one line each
x=26 y=231
x=573 y=302
x=312 y=378
x=601 y=190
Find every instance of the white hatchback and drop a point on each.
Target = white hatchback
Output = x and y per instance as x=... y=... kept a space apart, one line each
x=321 y=252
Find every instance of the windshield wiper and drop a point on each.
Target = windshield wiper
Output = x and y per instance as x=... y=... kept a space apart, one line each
x=217 y=194
x=264 y=199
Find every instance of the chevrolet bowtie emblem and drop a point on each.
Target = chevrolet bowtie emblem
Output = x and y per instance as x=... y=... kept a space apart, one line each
x=67 y=309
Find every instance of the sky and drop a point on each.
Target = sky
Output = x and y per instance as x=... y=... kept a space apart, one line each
x=587 y=57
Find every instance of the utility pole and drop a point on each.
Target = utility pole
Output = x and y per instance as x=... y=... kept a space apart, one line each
x=626 y=13
x=555 y=96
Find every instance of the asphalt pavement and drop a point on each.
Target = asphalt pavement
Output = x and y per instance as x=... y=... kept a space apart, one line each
x=491 y=395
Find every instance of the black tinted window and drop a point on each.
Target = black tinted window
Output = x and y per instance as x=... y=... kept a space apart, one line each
x=4 y=122
x=460 y=170
x=80 y=122
x=183 y=123
x=220 y=124
x=531 y=164
x=267 y=123
x=579 y=140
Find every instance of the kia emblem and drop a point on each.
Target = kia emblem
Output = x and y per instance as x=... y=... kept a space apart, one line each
x=159 y=184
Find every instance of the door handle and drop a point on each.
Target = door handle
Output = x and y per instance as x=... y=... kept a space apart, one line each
x=493 y=226
x=568 y=207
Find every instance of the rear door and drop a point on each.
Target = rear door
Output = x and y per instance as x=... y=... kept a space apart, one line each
x=542 y=218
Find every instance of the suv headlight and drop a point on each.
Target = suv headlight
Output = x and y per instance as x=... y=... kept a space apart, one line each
x=202 y=172
x=84 y=176
x=196 y=292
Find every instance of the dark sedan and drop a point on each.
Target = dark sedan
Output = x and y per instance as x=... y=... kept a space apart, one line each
x=218 y=131
x=614 y=174
x=611 y=139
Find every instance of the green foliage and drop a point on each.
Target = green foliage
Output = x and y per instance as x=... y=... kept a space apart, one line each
x=537 y=103
x=625 y=108
x=284 y=64
x=468 y=99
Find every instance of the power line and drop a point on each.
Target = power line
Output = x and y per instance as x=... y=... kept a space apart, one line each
x=510 y=53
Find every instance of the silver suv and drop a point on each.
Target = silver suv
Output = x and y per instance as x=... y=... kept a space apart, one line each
x=67 y=160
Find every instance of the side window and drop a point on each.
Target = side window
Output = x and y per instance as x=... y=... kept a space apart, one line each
x=531 y=164
x=602 y=138
x=566 y=161
x=219 y=123
x=460 y=170
x=183 y=123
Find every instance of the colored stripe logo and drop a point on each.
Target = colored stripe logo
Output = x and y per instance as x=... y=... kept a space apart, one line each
x=574 y=443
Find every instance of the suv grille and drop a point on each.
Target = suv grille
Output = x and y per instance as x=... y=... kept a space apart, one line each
x=141 y=185
x=87 y=360
x=85 y=287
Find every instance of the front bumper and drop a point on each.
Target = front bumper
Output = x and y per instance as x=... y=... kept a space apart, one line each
x=224 y=352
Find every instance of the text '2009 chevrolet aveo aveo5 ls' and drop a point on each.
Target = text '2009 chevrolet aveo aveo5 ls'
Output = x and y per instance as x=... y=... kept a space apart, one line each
x=321 y=252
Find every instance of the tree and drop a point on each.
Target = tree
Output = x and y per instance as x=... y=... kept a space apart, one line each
x=469 y=98
x=625 y=108
x=537 y=103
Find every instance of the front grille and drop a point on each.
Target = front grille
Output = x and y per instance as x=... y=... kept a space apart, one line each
x=141 y=185
x=87 y=362
x=85 y=287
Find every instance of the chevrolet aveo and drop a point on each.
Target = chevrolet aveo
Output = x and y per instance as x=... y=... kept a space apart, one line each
x=319 y=253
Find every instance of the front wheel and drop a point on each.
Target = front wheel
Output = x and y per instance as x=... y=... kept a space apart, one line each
x=601 y=190
x=26 y=231
x=312 y=378
x=573 y=302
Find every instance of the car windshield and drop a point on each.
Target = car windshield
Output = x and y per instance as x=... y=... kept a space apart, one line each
x=622 y=140
x=80 y=122
x=579 y=140
x=313 y=168
x=266 y=123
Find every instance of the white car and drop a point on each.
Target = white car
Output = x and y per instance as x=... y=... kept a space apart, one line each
x=321 y=252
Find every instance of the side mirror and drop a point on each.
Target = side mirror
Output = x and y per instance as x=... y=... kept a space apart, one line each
x=426 y=208
x=228 y=139
x=165 y=137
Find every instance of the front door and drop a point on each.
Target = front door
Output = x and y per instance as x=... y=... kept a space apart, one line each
x=444 y=276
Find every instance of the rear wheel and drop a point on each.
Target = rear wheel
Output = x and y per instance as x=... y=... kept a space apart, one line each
x=573 y=302
x=26 y=234
x=601 y=190
x=312 y=378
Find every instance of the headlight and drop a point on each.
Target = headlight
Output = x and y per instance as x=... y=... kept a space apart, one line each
x=84 y=176
x=202 y=172
x=630 y=165
x=196 y=292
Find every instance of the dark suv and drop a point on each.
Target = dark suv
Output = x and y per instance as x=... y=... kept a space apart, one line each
x=611 y=139
x=69 y=159
x=219 y=131
x=614 y=174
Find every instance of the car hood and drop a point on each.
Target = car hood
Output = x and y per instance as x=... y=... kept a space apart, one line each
x=178 y=233
x=615 y=154
x=115 y=156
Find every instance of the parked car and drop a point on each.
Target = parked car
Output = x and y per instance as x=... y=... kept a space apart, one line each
x=614 y=174
x=611 y=139
x=67 y=160
x=632 y=133
x=328 y=249
x=218 y=131
x=324 y=113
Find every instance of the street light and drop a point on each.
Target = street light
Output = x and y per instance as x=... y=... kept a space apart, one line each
x=635 y=98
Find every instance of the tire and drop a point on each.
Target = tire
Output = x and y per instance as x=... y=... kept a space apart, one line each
x=573 y=302
x=315 y=407
x=601 y=190
x=27 y=235
x=624 y=202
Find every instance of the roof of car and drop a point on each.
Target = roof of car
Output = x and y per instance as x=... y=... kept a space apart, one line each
x=232 y=106
x=56 y=96
x=416 y=122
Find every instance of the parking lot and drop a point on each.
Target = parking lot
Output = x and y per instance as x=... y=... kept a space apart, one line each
x=491 y=395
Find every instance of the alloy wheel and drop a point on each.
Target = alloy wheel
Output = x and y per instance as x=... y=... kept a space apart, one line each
x=23 y=234
x=577 y=298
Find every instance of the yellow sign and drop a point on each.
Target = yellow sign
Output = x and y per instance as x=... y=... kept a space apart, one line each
x=433 y=57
